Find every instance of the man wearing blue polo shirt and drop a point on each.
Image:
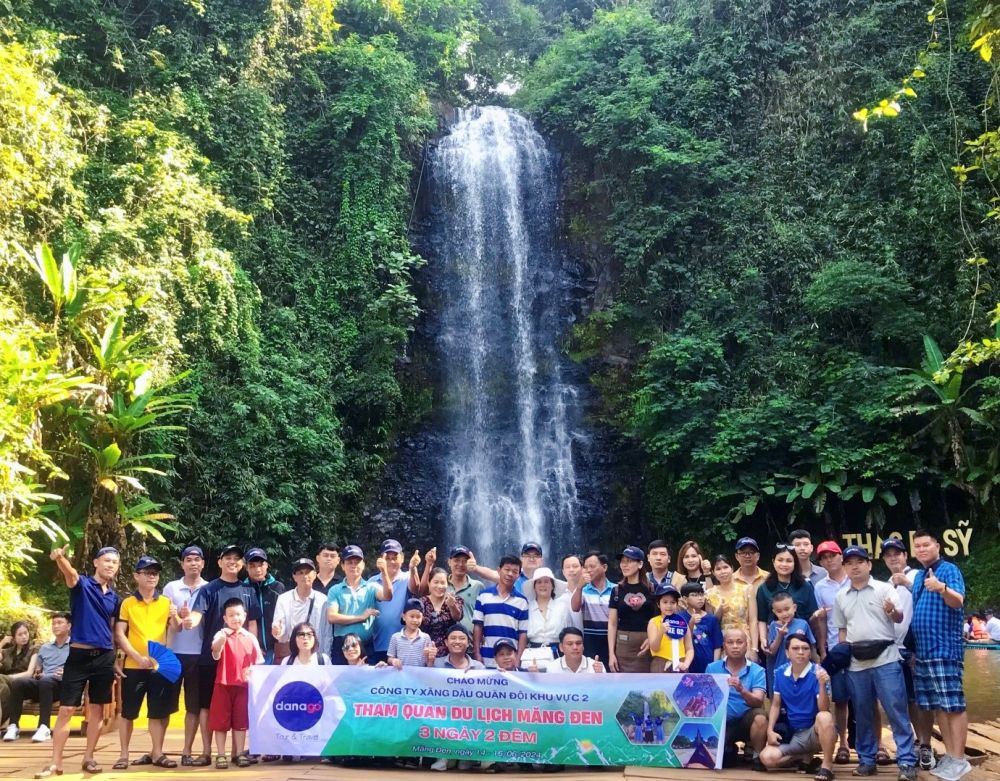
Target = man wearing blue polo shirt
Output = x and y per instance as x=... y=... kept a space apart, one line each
x=501 y=612
x=938 y=599
x=388 y=620
x=91 y=661
x=350 y=605
x=745 y=719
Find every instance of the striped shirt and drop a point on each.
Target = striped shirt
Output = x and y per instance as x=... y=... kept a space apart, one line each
x=499 y=617
x=937 y=628
x=594 y=606
x=410 y=650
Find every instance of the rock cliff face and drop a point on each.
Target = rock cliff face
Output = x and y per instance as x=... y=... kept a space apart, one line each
x=508 y=451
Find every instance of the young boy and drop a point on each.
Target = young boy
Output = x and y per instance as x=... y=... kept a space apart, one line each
x=505 y=654
x=706 y=632
x=410 y=647
x=236 y=650
x=784 y=626
x=669 y=635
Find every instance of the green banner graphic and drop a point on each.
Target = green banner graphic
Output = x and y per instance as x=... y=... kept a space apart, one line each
x=662 y=720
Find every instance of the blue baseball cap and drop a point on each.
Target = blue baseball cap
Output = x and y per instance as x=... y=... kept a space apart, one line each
x=106 y=550
x=632 y=552
x=663 y=591
x=391 y=546
x=231 y=549
x=459 y=550
x=747 y=542
x=147 y=562
x=256 y=554
x=504 y=642
x=893 y=544
x=302 y=563
x=856 y=550
x=192 y=550
x=352 y=552
x=531 y=546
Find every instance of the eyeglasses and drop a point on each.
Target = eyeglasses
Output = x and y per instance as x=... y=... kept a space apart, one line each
x=306 y=634
x=349 y=646
x=746 y=552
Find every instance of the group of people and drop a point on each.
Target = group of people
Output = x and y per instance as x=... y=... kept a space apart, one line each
x=808 y=647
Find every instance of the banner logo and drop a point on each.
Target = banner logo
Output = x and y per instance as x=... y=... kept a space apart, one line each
x=298 y=706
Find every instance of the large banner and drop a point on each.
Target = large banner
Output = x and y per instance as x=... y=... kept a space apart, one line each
x=668 y=720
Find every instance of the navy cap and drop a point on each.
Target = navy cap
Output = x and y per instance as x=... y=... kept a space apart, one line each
x=413 y=604
x=105 y=550
x=747 y=542
x=531 y=546
x=632 y=552
x=459 y=550
x=663 y=591
x=256 y=554
x=391 y=546
x=457 y=628
x=351 y=552
x=300 y=563
x=231 y=549
x=192 y=550
x=893 y=544
x=692 y=588
x=504 y=642
x=855 y=550
x=147 y=562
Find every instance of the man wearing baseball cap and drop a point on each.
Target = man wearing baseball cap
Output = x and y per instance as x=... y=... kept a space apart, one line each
x=185 y=642
x=747 y=555
x=461 y=585
x=91 y=662
x=532 y=558
x=831 y=558
x=387 y=622
x=266 y=589
x=143 y=617
x=351 y=604
x=866 y=614
x=208 y=612
x=301 y=604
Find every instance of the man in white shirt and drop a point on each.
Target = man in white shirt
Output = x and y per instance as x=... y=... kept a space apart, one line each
x=572 y=659
x=992 y=625
x=302 y=604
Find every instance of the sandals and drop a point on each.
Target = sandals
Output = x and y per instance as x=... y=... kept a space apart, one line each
x=221 y=762
x=122 y=764
x=90 y=766
x=823 y=775
x=145 y=759
x=882 y=757
x=843 y=756
x=243 y=761
x=201 y=760
x=51 y=770
x=164 y=761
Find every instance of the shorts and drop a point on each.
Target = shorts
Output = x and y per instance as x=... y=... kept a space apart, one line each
x=206 y=684
x=139 y=685
x=189 y=683
x=803 y=743
x=230 y=708
x=937 y=684
x=93 y=666
x=738 y=729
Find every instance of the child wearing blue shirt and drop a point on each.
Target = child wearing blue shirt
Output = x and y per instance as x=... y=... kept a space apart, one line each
x=706 y=632
x=785 y=624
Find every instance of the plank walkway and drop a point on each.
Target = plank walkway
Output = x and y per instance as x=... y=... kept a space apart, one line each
x=21 y=759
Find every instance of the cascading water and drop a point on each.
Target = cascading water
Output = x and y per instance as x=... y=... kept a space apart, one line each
x=511 y=418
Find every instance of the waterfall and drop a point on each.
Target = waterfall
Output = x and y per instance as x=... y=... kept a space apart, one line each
x=511 y=419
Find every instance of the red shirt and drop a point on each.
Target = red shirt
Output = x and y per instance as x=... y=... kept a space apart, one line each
x=235 y=657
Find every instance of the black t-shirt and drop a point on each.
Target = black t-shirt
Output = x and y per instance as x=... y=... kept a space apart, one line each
x=318 y=586
x=211 y=597
x=634 y=604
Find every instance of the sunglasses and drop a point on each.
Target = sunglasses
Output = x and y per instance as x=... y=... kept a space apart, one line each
x=349 y=646
x=784 y=546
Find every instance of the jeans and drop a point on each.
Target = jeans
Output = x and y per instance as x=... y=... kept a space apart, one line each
x=884 y=684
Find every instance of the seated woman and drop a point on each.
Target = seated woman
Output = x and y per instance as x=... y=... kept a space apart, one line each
x=16 y=650
x=303 y=646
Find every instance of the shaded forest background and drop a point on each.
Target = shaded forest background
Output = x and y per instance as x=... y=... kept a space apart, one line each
x=207 y=288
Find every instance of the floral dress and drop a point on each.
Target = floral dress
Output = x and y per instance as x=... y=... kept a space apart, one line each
x=436 y=624
x=737 y=602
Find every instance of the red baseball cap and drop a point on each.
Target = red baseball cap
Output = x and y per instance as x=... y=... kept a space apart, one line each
x=829 y=546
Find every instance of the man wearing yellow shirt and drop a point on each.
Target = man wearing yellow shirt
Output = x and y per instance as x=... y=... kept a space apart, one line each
x=143 y=617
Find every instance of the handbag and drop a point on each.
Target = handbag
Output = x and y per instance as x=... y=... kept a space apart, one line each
x=866 y=650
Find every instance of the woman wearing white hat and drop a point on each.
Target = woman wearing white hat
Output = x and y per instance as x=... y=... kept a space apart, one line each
x=547 y=614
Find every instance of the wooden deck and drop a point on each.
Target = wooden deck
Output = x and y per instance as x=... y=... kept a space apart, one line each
x=21 y=759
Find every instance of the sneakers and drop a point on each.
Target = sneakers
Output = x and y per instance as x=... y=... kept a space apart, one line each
x=11 y=734
x=865 y=770
x=907 y=773
x=41 y=735
x=439 y=764
x=925 y=757
x=951 y=769
x=464 y=764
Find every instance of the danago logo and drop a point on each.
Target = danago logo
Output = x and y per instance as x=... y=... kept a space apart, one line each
x=298 y=706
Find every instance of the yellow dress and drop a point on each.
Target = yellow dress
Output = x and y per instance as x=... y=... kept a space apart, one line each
x=737 y=602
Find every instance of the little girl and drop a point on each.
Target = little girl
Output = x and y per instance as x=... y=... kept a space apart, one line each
x=669 y=634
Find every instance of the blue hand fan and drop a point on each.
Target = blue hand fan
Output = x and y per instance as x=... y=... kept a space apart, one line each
x=167 y=663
